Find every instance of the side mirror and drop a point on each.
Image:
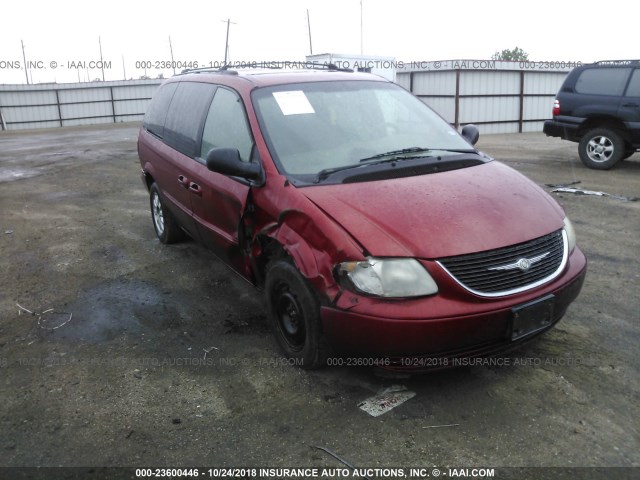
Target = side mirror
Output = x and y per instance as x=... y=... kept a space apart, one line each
x=471 y=133
x=227 y=161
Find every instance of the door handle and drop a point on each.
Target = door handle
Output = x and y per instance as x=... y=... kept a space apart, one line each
x=195 y=188
x=631 y=105
x=184 y=181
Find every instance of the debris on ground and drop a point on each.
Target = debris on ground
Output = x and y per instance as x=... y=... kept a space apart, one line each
x=386 y=400
x=581 y=191
x=341 y=460
x=47 y=315
x=561 y=185
x=208 y=350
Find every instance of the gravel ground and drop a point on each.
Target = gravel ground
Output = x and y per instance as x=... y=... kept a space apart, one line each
x=167 y=360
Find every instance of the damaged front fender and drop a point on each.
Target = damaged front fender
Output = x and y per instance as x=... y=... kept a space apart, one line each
x=311 y=243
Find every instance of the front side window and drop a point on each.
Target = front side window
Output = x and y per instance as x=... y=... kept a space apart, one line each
x=226 y=125
x=320 y=126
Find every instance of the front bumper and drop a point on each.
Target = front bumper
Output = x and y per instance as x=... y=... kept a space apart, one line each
x=402 y=341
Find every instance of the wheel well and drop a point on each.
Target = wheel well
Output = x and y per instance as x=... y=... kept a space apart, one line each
x=605 y=122
x=270 y=249
x=148 y=180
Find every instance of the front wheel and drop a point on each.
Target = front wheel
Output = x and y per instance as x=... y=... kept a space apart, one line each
x=601 y=148
x=294 y=314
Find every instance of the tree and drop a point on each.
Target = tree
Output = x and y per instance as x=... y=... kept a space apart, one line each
x=514 y=55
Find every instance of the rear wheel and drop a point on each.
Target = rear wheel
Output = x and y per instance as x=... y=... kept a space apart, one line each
x=166 y=227
x=294 y=314
x=601 y=148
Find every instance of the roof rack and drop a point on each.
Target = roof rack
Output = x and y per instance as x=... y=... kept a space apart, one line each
x=617 y=62
x=275 y=65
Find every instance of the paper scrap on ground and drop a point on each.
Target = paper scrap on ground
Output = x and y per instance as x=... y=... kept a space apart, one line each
x=581 y=191
x=386 y=400
x=294 y=102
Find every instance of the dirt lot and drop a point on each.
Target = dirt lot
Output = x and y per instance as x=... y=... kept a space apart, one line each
x=167 y=359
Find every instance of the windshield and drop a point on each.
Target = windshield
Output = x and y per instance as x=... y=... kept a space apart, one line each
x=316 y=129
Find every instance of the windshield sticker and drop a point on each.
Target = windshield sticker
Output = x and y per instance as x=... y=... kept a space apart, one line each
x=293 y=103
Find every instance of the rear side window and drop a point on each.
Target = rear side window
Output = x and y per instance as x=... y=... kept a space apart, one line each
x=634 y=84
x=157 y=113
x=186 y=114
x=603 y=81
x=226 y=125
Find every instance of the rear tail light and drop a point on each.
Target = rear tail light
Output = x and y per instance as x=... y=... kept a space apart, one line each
x=556 y=108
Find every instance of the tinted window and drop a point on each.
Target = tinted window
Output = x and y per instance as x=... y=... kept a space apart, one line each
x=226 y=125
x=157 y=111
x=186 y=113
x=634 y=84
x=603 y=81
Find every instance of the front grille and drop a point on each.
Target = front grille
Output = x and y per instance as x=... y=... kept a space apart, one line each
x=504 y=271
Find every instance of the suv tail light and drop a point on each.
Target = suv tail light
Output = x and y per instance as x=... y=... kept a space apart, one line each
x=556 y=108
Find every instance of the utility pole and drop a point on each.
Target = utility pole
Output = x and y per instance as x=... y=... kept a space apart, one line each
x=226 y=45
x=24 y=58
x=361 y=42
x=173 y=64
x=124 y=71
x=101 y=62
x=309 y=26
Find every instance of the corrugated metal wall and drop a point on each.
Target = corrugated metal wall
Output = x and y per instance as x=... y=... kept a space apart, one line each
x=61 y=105
x=499 y=97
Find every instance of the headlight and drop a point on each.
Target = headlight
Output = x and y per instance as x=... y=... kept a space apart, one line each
x=571 y=234
x=393 y=278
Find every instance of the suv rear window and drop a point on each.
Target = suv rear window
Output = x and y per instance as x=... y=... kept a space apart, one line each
x=634 y=84
x=603 y=81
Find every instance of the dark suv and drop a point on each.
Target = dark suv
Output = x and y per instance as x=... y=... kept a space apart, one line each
x=599 y=107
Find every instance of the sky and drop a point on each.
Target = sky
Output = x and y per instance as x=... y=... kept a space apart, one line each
x=62 y=37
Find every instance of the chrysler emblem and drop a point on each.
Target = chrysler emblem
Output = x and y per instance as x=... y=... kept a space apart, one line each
x=523 y=264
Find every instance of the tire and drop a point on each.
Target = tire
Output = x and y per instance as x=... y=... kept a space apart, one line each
x=294 y=315
x=166 y=227
x=601 y=148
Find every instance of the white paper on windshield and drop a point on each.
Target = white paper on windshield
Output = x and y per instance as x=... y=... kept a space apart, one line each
x=294 y=102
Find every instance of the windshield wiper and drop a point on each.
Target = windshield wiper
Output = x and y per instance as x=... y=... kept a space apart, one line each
x=396 y=153
x=322 y=174
x=455 y=150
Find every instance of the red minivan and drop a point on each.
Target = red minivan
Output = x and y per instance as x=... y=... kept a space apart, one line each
x=375 y=229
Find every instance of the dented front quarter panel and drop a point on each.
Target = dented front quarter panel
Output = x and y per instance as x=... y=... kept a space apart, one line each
x=314 y=241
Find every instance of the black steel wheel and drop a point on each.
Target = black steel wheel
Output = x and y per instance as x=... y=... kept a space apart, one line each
x=294 y=314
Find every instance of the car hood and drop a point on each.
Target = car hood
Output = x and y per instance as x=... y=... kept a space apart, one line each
x=442 y=214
